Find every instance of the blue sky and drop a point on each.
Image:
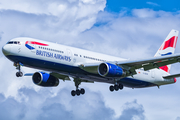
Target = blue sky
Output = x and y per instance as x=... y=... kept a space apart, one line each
x=165 y=5
x=127 y=29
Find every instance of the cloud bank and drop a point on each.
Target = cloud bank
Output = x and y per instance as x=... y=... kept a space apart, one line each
x=42 y=105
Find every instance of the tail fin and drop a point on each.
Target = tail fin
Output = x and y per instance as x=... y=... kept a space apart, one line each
x=168 y=47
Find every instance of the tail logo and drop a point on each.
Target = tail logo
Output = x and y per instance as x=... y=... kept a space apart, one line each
x=169 y=53
x=169 y=43
x=29 y=43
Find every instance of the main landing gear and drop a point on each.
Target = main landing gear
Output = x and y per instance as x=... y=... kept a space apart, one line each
x=18 y=67
x=77 y=92
x=116 y=87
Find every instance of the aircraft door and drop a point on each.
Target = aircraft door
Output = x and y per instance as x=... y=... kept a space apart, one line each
x=69 y=55
x=19 y=47
x=33 y=50
x=152 y=74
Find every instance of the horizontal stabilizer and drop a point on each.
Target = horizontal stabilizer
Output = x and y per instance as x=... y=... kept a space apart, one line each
x=171 y=76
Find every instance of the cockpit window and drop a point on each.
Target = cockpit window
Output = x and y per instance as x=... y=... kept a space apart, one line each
x=13 y=42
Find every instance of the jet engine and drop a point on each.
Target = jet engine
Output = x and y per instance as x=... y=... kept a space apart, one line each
x=45 y=79
x=110 y=70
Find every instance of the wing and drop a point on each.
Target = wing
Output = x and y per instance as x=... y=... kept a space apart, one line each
x=131 y=65
x=65 y=77
x=62 y=77
x=149 y=64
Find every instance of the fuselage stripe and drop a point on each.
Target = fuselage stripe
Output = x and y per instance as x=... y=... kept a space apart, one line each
x=36 y=43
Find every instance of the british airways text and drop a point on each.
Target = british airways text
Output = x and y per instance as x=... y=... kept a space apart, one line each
x=56 y=56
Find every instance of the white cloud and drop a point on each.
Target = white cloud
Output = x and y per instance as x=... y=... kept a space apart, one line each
x=67 y=16
x=152 y=3
x=51 y=7
x=144 y=13
x=132 y=111
x=42 y=105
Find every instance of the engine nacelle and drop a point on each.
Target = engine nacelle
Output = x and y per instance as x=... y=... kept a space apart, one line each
x=45 y=79
x=110 y=70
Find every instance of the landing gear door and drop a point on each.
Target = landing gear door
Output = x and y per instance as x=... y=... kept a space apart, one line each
x=69 y=55
x=152 y=74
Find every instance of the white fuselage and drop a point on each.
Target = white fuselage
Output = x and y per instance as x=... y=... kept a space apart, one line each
x=66 y=60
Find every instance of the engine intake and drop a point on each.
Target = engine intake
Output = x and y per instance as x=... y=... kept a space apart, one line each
x=110 y=70
x=45 y=79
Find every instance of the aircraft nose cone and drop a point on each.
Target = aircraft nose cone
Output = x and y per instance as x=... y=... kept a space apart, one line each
x=5 y=50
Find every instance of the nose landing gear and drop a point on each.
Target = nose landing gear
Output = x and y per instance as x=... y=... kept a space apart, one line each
x=18 y=67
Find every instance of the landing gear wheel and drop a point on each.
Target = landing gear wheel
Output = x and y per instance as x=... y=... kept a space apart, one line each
x=78 y=92
x=73 y=93
x=120 y=86
x=116 y=87
x=111 y=88
x=17 y=74
x=20 y=74
x=82 y=91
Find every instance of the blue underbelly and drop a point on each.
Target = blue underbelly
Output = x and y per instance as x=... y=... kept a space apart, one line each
x=62 y=68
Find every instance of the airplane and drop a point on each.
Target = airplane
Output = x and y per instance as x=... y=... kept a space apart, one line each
x=64 y=63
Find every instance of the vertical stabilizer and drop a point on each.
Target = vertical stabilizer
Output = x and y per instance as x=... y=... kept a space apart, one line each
x=168 y=47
